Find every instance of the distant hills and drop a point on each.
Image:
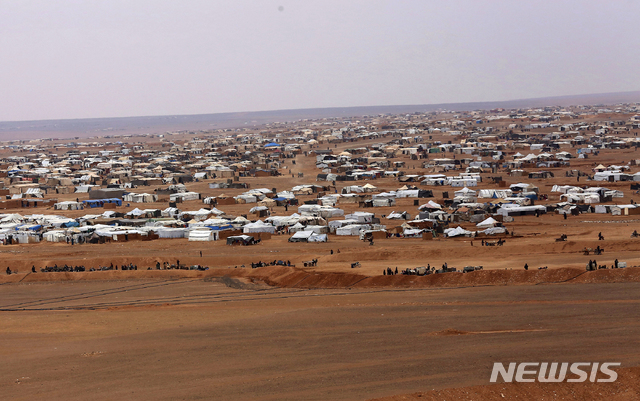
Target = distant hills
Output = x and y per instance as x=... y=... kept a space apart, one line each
x=88 y=127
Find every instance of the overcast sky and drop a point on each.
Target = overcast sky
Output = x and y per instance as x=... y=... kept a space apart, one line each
x=115 y=58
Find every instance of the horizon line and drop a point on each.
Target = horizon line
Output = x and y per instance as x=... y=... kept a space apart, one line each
x=336 y=107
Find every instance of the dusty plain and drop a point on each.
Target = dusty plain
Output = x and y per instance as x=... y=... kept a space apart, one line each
x=193 y=338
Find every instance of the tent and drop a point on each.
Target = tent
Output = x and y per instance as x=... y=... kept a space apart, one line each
x=430 y=205
x=296 y=227
x=352 y=229
x=240 y=240
x=259 y=227
x=168 y=232
x=308 y=236
x=55 y=236
x=454 y=232
x=360 y=217
x=490 y=222
x=68 y=205
x=465 y=192
x=397 y=216
x=135 y=212
x=185 y=196
x=202 y=235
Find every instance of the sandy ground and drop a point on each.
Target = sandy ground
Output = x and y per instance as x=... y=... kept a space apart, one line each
x=195 y=338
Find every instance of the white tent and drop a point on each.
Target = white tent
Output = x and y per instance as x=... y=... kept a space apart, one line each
x=185 y=196
x=383 y=202
x=430 y=205
x=407 y=193
x=296 y=227
x=308 y=236
x=353 y=229
x=257 y=209
x=168 y=232
x=135 y=212
x=397 y=216
x=140 y=198
x=490 y=222
x=360 y=217
x=203 y=235
x=465 y=192
x=286 y=194
x=340 y=223
x=454 y=232
x=369 y=188
x=258 y=227
x=317 y=238
x=54 y=236
x=412 y=232
x=68 y=205
x=495 y=230
x=301 y=236
x=246 y=199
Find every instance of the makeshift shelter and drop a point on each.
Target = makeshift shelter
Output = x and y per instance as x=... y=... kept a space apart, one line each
x=68 y=205
x=240 y=240
x=308 y=236
x=490 y=222
x=258 y=227
x=203 y=235
x=352 y=229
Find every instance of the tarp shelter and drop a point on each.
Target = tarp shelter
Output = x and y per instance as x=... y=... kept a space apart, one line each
x=140 y=198
x=516 y=210
x=169 y=232
x=465 y=192
x=308 y=236
x=100 y=202
x=203 y=235
x=353 y=229
x=183 y=197
x=490 y=222
x=68 y=205
x=135 y=212
x=55 y=236
x=431 y=205
x=240 y=240
x=258 y=227
x=360 y=217
x=454 y=232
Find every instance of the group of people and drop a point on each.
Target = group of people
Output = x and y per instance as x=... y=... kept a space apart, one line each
x=76 y=268
x=81 y=240
x=593 y=265
x=273 y=263
x=390 y=272
x=426 y=270
x=499 y=242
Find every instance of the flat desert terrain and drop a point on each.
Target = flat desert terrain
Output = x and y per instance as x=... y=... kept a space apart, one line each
x=231 y=338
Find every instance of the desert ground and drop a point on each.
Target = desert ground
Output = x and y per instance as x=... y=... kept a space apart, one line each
x=236 y=339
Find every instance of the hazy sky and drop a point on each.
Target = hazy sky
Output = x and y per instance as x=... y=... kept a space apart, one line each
x=76 y=59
